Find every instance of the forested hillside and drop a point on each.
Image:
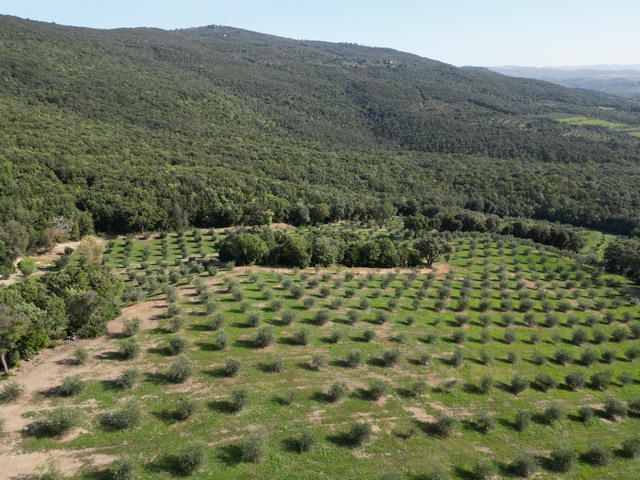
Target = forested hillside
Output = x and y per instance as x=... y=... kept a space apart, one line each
x=138 y=129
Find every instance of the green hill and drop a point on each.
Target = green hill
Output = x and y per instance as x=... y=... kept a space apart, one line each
x=213 y=126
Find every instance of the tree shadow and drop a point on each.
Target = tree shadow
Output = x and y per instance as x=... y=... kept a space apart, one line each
x=320 y=396
x=341 y=439
x=157 y=378
x=222 y=406
x=207 y=347
x=230 y=455
x=166 y=416
x=164 y=351
x=244 y=343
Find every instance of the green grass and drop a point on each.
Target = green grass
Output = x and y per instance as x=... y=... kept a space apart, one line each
x=402 y=441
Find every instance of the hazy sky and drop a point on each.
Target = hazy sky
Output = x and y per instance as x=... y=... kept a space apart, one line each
x=461 y=32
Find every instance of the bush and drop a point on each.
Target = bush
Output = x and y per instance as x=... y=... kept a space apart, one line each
x=221 y=340
x=254 y=318
x=444 y=425
x=359 y=433
x=122 y=469
x=185 y=408
x=288 y=316
x=563 y=357
x=58 y=421
x=322 y=317
x=561 y=459
x=391 y=357
x=522 y=420
x=216 y=321
x=239 y=398
x=518 y=384
x=589 y=357
x=632 y=353
x=369 y=334
x=264 y=337
x=457 y=358
x=126 y=417
x=486 y=383
x=631 y=447
x=181 y=370
x=546 y=382
x=10 y=391
x=71 y=386
x=335 y=336
x=306 y=441
x=301 y=336
x=253 y=449
x=608 y=356
x=459 y=336
x=178 y=344
x=131 y=326
x=80 y=356
x=579 y=336
x=127 y=378
x=354 y=358
x=378 y=389
x=128 y=349
x=509 y=336
x=598 y=455
x=189 y=458
x=586 y=414
x=27 y=266
x=232 y=367
x=575 y=380
x=615 y=408
x=619 y=334
x=317 y=361
x=485 y=422
x=276 y=365
x=601 y=380
x=483 y=470
x=382 y=317
x=553 y=413
x=525 y=465
x=337 y=391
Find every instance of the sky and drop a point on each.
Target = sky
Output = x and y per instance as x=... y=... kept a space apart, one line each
x=460 y=32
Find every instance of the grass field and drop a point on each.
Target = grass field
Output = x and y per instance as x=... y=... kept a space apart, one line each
x=437 y=362
x=580 y=120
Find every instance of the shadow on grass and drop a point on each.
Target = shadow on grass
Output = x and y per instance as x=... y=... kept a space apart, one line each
x=230 y=455
x=156 y=378
x=222 y=406
x=207 y=347
x=167 y=463
x=320 y=396
x=164 y=351
x=342 y=439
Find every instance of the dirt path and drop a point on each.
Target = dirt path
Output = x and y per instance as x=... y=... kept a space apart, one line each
x=43 y=260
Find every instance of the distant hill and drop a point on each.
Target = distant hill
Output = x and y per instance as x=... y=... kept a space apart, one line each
x=622 y=80
x=150 y=129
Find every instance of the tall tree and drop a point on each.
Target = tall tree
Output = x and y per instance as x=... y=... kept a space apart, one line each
x=12 y=326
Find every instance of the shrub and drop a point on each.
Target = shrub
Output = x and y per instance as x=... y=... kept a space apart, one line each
x=632 y=352
x=308 y=302
x=615 y=408
x=10 y=391
x=425 y=358
x=185 y=408
x=322 y=317
x=553 y=413
x=335 y=336
x=522 y=420
x=288 y=316
x=337 y=391
x=122 y=469
x=601 y=380
x=512 y=357
x=131 y=326
x=301 y=336
x=378 y=389
x=80 y=356
x=254 y=318
x=189 y=458
x=599 y=337
x=589 y=357
x=306 y=441
x=485 y=422
x=546 y=382
x=561 y=459
x=562 y=357
x=359 y=433
x=575 y=380
x=619 y=334
x=58 y=421
x=485 y=357
x=126 y=417
x=216 y=320
x=510 y=336
x=391 y=357
x=486 y=383
x=253 y=449
x=459 y=336
x=524 y=465
x=221 y=340
x=239 y=398
x=631 y=447
x=586 y=414
x=276 y=365
x=232 y=367
x=369 y=334
x=127 y=378
x=417 y=388
x=181 y=370
x=457 y=358
x=598 y=455
x=178 y=344
x=128 y=349
x=579 y=336
x=71 y=386
x=264 y=337
x=444 y=425
x=354 y=358
x=317 y=361
x=518 y=384
x=483 y=470
x=538 y=358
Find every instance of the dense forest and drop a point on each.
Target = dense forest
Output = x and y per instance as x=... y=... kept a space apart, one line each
x=138 y=129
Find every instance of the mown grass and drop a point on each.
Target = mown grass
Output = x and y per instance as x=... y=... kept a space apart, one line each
x=404 y=442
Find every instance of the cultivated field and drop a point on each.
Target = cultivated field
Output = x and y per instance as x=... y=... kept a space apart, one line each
x=506 y=361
